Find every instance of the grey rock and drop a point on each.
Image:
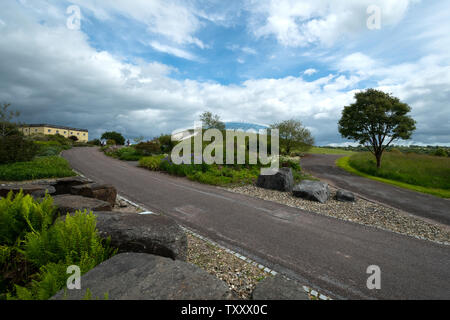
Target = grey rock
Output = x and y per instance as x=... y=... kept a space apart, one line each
x=105 y=192
x=140 y=276
x=345 y=196
x=153 y=234
x=281 y=180
x=312 y=190
x=278 y=288
x=69 y=204
x=35 y=190
x=64 y=185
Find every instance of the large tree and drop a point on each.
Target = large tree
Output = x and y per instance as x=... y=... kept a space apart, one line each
x=293 y=135
x=7 y=127
x=211 y=121
x=375 y=120
x=116 y=136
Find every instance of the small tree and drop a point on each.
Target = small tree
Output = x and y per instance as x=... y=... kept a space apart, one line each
x=375 y=120
x=211 y=121
x=116 y=136
x=293 y=136
x=6 y=126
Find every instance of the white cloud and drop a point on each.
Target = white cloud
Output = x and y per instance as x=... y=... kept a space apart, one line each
x=301 y=23
x=175 y=20
x=173 y=51
x=310 y=72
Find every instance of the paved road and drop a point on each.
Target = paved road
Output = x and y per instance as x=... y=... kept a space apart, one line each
x=419 y=204
x=328 y=254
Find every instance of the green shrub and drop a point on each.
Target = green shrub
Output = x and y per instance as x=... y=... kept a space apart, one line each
x=152 y=163
x=16 y=148
x=39 y=168
x=148 y=148
x=22 y=214
x=74 y=241
x=128 y=154
x=440 y=152
x=36 y=250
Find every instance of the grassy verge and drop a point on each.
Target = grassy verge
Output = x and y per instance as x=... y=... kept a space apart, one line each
x=345 y=163
x=39 y=168
x=320 y=150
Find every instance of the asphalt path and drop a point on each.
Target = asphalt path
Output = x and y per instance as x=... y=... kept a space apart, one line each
x=327 y=254
x=419 y=204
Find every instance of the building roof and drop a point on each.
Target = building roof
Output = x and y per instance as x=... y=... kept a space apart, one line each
x=244 y=126
x=54 y=127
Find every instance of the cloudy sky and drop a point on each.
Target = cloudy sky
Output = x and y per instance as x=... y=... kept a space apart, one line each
x=145 y=67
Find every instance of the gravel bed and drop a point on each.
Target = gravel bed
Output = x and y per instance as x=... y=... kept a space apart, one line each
x=362 y=212
x=240 y=275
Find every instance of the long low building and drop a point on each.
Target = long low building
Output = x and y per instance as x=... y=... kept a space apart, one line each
x=48 y=129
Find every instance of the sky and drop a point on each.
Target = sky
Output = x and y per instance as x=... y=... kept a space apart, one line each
x=147 y=67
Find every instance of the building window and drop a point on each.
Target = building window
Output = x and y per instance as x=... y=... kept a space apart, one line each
x=49 y=130
x=78 y=133
x=35 y=130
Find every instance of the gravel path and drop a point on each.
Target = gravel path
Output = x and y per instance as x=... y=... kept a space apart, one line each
x=362 y=211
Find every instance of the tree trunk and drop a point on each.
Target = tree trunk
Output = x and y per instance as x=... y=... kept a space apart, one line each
x=378 y=156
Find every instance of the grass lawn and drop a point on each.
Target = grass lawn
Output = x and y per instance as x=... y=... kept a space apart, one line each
x=318 y=150
x=39 y=168
x=422 y=173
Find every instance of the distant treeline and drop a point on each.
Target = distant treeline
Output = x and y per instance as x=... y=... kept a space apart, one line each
x=429 y=150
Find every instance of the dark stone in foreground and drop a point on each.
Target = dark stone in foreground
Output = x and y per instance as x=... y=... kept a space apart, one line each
x=153 y=234
x=278 y=288
x=282 y=180
x=312 y=190
x=70 y=203
x=64 y=185
x=140 y=276
x=35 y=190
x=345 y=196
x=105 y=192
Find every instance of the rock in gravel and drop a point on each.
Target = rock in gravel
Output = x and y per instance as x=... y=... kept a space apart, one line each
x=153 y=234
x=141 y=276
x=281 y=180
x=345 y=196
x=105 y=192
x=35 y=190
x=312 y=190
x=279 y=288
x=69 y=204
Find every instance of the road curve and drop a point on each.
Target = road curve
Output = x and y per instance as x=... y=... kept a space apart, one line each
x=328 y=254
x=419 y=204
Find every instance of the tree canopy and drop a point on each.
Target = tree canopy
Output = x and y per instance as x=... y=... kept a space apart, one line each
x=376 y=120
x=211 y=121
x=293 y=135
x=7 y=127
x=116 y=136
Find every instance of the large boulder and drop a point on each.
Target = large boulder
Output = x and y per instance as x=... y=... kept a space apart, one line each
x=345 y=196
x=105 y=192
x=153 y=234
x=278 y=288
x=69 y=204
x=64 y=185
x=281 y=180
x=140 y=276
x=312 y=190
x=35 y=190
